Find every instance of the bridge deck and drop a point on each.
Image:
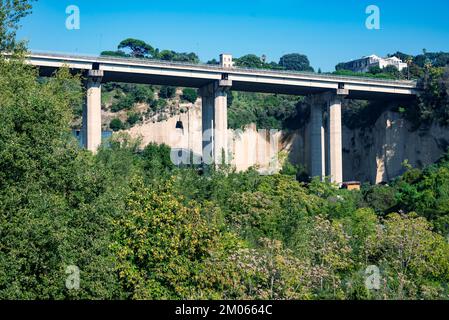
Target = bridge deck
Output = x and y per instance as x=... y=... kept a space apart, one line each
x=197 y=75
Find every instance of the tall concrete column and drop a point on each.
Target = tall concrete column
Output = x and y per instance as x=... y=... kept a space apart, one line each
x=317 y=155
x=221 y=126
x=207 y=118
x=334 y=139
x=215 y=122
x=92 y=112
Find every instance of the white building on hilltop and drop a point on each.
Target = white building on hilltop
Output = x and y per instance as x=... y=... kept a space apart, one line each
x=226 y=60
x=364 y=64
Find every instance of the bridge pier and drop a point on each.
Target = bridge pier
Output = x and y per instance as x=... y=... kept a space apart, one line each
x=334 y=138
x=317 y=152
x=92 y=112
x=326 y=147
x=215 y=122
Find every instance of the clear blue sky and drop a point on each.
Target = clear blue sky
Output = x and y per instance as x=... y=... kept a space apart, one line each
x=327 y=31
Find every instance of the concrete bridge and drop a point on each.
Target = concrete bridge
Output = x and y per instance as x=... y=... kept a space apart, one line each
x=325 y=94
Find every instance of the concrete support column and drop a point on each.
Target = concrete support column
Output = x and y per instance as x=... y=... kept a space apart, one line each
x=221 y=126
x=92 y=112
x=215 y=122
x=207 y=118
x=326 y=147
x=334 y=138
x=317 y=155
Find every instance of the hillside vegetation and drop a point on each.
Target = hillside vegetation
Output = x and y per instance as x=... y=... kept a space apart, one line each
x=137 y=227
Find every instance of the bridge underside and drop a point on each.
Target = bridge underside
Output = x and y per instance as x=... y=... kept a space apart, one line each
x=310 y=90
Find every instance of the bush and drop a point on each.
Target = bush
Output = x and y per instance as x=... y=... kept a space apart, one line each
x=116 y=124
x=133 y=118
x=142 y=94
x=295 y=62
x=157 y=157
x=124 y=102
x=267 y=111
x=167 y=92
x=190 y=95
x=160 y=104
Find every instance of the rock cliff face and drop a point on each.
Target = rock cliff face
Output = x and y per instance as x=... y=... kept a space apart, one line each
x=377 y=154
x=246 y=148
x=374 y=154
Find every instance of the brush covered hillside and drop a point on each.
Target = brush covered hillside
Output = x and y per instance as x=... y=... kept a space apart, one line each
x=138 y=227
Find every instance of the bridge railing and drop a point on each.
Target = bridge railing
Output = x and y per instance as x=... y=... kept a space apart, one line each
x=220 y=69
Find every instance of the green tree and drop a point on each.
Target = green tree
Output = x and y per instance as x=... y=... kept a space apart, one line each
x=157 y=158
x=170 y=55
x=133 y=118
x=340 y=66
x=142 y=93
x=375 y=70
x=189 y=95
x=11 y=12
x=167 y=92
x=116 y=124
x=434 y=98
x=138 y=48
x=54 y=210
x=295 y=62
x=411 y=256
x=270 y=272
x=250 y=61
x=161 y=244
x=124 y=102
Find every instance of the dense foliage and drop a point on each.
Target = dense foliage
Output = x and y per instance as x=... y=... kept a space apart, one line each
x=295 y=61
x=140 y=49
x=190 y=95
x=10 y=14
x=433 y=103
x=267 y=111
x=137 y=227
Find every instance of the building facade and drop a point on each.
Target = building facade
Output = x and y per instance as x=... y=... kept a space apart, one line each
x=226 y=60
x=364 y=64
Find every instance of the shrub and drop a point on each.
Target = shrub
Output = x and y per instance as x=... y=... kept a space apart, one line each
x=167 y=92
x=142 y=93
x=125 y=102
x=133 y=118
x=160 y=104
x=116 y=124
x=190 y=95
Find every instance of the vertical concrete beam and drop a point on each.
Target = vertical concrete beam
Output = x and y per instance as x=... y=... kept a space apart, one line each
x=334 y=135
x=207 y=119
x=92 y=112
x=221 y=126
x=317 y=155
x=215 y=122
